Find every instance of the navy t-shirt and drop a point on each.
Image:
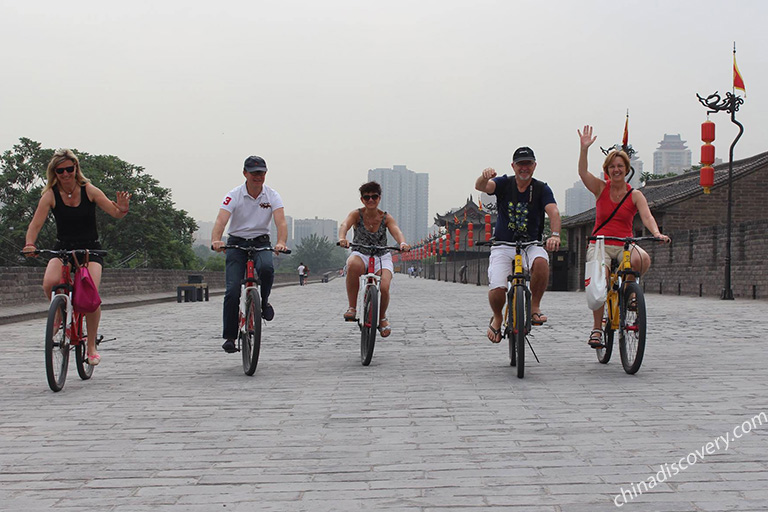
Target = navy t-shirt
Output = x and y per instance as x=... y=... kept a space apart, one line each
x=520 y=214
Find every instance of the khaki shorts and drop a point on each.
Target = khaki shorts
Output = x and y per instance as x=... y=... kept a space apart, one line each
x=612 y=252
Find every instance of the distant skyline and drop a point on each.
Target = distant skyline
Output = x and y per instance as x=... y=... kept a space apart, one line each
x=325 y=91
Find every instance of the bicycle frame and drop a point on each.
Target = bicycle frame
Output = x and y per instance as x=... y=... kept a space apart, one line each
x=367 y=280
x=249 y=282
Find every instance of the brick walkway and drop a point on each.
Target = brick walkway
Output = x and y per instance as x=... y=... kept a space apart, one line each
x=437 y=422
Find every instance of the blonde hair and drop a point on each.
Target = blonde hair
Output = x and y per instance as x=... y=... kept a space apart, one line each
x=613 y=154
x=59 y=156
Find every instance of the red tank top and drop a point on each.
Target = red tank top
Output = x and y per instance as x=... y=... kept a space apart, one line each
x=621 y=223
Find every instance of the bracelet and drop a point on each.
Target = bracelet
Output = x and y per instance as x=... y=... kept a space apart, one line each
x=555 y=233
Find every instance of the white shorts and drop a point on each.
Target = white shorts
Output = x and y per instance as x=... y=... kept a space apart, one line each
x=379 y=262
x=502 y=261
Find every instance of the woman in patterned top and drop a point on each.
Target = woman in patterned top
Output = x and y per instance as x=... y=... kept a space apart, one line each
x=370 y=226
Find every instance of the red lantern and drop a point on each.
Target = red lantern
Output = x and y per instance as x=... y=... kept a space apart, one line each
x=708 y=131
x=441 y=246
x=456 y=240
x=707 y=154
x=470 y=236
x=487 y=227
x=447 y=242
x=707 y=178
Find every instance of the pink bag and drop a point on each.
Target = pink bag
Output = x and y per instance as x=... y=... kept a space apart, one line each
x=85 y=297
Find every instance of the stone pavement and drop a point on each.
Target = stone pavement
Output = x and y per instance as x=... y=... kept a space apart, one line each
x=439 y=421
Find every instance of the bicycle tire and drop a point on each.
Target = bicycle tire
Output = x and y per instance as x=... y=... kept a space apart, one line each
x=633 y=327
x=368 y=325
x=604 y=354
x=84 y=370
x=508 y=328
x=251 y=338
x=57 y=344
x=521 y=320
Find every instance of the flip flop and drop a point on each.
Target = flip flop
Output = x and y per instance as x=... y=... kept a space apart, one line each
x=494 y=331
x=595 y=339
x=538 y=319
x=350 y=315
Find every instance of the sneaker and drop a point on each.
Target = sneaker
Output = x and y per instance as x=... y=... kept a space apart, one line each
x=229 y=346
x=268 y=312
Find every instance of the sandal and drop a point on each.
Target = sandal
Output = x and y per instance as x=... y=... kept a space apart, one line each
x=350 y=315
x=538 y=318
x=385 y=330
x=595 y=339
x=493 y=333
x=93 y=360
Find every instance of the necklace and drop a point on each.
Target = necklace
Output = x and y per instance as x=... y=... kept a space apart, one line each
x=69 y=194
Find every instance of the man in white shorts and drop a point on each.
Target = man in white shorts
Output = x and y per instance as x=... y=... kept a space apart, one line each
x=522 y=202
x=249 y=209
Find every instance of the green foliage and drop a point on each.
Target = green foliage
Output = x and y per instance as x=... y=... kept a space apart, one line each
x=209 y=260
x=154 y=234
x=645 y=177
x=318 y=253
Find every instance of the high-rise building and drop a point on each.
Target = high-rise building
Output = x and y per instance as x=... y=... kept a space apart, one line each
x=578 y=199
x=405 y=195
x=304 y=228
x=672 y=156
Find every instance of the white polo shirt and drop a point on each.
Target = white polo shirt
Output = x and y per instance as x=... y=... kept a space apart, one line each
x=250 y=217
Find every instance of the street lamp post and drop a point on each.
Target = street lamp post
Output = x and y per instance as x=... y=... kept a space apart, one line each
x=730 y=104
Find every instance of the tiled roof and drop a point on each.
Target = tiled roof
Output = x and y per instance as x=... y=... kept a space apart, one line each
x=668 y=191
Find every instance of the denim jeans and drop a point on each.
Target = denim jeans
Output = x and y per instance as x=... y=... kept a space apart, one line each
x=235 y=273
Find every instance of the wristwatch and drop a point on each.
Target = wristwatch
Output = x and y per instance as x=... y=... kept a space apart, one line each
x=555 y=233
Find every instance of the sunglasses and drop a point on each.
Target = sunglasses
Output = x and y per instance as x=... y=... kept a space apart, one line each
x=368 y=197
x=69 y=169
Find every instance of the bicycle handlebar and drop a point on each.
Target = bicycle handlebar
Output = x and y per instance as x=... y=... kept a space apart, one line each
x=372 y=247
x=517 y=243
x=628 y=239
x=58 y=253
x=252 y=249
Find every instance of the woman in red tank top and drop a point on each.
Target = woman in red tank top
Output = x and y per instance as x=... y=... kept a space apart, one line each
x=608 y=195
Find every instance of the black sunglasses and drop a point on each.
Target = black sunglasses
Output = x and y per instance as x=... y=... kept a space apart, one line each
x=69 y=169
x=368 y=197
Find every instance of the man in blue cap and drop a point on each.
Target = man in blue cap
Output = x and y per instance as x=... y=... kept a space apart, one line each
x=249 y=209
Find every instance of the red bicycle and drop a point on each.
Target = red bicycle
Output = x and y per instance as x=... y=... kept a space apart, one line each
x=65 y=329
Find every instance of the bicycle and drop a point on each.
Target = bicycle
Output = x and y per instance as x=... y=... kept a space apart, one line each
x=624 y=309
x=249 y=310
x=519 y=302
x=64 y=328
x=368 y=303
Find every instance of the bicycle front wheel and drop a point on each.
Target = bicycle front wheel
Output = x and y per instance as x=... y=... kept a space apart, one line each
x=57 y=344
x=518 y=328
x=604 y=354
x=368 y=325
x=507 y=325
x=84 y=370
x=251 y=338
x=632 y=328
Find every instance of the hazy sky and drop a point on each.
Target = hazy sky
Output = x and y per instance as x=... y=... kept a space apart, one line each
x=325 y=90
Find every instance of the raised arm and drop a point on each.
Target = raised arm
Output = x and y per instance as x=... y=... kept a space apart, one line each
x=117 y=209
x=347 y=223
x=593 y=184
x=485 y=182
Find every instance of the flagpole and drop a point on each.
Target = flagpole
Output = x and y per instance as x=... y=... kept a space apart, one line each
x=730 y=104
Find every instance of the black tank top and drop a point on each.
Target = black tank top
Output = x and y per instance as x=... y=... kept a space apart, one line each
x=75 y=223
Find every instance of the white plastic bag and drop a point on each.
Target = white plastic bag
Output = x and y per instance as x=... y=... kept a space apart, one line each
x=595 y=277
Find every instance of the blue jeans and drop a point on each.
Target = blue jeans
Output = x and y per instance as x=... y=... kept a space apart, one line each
x=235 y=273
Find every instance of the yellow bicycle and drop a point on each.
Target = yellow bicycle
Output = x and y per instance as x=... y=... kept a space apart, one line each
x=624 y=309
x=519 y=303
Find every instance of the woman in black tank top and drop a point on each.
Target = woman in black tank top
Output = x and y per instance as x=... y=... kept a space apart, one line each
x=371 y=225
x=73 y=199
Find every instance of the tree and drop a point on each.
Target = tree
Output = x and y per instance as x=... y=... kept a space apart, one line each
x=318 y=253
x=646 y=176
x=153 y=234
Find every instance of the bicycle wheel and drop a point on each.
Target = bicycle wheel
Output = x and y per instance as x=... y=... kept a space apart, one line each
x=508 y=322
x=368 y=325
x=632 y=328
x=57 y=344
x=251 y=338
x=84 y=370
x=518 y=328
x=604 y=354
